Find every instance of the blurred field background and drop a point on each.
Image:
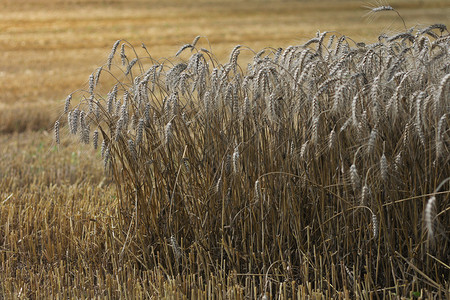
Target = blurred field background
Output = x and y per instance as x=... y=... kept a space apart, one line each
x=49 y=48
x=55 y=201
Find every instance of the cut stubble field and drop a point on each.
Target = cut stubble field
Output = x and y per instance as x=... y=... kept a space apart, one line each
x=67 y=230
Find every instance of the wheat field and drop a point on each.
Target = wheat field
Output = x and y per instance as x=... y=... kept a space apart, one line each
x=225 y=150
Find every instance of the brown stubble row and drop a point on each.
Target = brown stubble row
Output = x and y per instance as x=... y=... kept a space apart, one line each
x=54 y=214
x=325 y=156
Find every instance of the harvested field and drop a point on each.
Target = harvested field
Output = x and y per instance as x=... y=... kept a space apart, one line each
x=250 y=171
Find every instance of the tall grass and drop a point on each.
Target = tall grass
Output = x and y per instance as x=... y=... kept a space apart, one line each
x=310 y=170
